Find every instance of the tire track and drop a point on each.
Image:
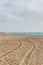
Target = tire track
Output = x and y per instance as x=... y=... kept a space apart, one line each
x=24 y=61
x=9 y=61
x=12 y=49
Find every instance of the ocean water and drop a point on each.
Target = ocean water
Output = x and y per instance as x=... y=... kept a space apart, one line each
x=31 y=33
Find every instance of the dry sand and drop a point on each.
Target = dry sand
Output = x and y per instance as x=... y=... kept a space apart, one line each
x=21 y=49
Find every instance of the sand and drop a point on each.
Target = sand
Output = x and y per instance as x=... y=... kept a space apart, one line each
x=21 y=49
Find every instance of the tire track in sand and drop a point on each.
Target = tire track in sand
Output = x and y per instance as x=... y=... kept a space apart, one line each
x=12 y=49
x=25 y=59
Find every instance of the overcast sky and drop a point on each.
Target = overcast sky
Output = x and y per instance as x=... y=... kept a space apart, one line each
x=21 y=15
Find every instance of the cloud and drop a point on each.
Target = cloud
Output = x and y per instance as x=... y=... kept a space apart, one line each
x=25 y=8
x=21 y=15
x=35 y=5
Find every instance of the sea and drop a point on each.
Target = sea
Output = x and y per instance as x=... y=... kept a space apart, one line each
x=31 y=33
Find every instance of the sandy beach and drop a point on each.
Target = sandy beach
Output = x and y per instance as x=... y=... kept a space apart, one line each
x=21 y=49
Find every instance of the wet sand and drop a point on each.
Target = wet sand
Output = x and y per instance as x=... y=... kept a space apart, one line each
x=21 y=49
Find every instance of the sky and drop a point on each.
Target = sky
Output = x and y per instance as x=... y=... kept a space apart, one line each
x=21 y=15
